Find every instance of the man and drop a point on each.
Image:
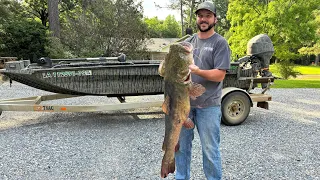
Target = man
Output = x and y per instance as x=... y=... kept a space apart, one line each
x=212 y=59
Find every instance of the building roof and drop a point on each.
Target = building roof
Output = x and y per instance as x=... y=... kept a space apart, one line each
x=157 y=44
x=162 y=44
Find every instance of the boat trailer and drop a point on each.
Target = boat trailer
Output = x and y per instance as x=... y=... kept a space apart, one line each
x=117 y=77
x=34 y=104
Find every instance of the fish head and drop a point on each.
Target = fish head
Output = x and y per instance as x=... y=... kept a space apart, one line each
x=178 y=61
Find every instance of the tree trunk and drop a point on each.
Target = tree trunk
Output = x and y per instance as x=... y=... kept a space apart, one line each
x=181 y=12
x=316 y=62
x=191 y=13
x=54 y=23
x=44 y=17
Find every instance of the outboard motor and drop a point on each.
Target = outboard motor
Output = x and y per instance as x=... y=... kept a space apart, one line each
x=261 y=47
x=259 y=52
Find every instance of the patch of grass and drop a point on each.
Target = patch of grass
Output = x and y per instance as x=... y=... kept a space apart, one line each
x=304 y=70
x=279 y=83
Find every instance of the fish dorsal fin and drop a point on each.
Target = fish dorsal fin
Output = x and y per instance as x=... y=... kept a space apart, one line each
x=165 y=105
x=196 y=90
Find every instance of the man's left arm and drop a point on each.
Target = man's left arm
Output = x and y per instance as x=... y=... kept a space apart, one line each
x=216 y=75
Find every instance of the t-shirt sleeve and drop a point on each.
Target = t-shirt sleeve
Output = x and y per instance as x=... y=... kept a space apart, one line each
x=222 y=55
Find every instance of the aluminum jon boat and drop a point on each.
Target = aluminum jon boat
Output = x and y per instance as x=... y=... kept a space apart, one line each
x=90 y=76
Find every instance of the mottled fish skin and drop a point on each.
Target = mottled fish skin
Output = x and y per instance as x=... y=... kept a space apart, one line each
x=178 y=87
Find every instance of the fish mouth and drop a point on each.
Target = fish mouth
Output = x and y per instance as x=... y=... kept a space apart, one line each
x=187 y=79
x=187 y=46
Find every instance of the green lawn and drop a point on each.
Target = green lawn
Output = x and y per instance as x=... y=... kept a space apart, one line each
x=308 y=70
x=304 y=70
x=309 y=78
x=279 y=83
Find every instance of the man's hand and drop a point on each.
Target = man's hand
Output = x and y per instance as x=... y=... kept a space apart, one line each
x=194 y=69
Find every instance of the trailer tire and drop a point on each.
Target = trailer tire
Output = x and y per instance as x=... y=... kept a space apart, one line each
x=235 y=108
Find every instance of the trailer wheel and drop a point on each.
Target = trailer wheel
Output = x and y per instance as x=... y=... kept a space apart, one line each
x=235 y=108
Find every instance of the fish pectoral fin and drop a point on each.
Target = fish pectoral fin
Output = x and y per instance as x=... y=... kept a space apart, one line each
x=196 y=90
x=165 y=105
x=188 y=124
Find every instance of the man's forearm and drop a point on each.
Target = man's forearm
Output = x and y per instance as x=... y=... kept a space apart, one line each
x=215 y=75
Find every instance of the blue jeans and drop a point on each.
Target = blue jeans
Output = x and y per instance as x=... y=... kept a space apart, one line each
x=207 y=120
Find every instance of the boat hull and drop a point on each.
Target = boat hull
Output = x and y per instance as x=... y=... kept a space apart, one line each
x=126 y=80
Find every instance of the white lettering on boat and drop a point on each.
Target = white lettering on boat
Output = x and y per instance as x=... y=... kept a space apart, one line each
x=67 y=74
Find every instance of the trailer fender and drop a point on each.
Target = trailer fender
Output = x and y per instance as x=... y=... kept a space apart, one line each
x=228 y=90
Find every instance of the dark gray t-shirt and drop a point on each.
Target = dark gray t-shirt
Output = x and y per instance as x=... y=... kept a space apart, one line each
x=211 y=53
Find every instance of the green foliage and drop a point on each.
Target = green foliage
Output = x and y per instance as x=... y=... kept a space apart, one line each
x=56 y=50
x=223 y=25
x=104 y=28
x=23 y=38
x=314 y=48
x=171 y=28
x=8 y=9
x=168 y=28
x=19 y=36
x=155 y=27
x=288 y=23
x=37 y=9
x=285 y=69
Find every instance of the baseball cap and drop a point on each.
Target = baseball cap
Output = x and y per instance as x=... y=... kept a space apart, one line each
x=208 y=5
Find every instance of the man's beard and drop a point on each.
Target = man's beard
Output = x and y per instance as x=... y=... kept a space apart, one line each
x=205 y=30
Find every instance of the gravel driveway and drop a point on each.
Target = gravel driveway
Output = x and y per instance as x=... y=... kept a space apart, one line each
x=280 y=143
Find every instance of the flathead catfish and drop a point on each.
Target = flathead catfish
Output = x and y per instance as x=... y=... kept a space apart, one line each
x=178 y=90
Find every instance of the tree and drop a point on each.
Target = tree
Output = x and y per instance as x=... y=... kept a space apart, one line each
x=105 y=27
x=277 y=18
x=178 y=5
x=223 y=24
x=168 y=28
x=23 y=38
x=54 y=23
x=39 y=9
x=155 y=27
x=9 y=9
x=20 y=36
x=171 y=28
x=315 y=48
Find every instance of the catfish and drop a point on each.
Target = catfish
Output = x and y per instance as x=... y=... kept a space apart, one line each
x=179 y=88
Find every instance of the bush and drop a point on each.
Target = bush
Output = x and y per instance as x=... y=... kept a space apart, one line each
x=23 y=39
x=56 y=50
x=286 y=69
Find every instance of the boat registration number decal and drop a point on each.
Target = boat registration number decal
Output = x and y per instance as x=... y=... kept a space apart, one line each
x=67 y=74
